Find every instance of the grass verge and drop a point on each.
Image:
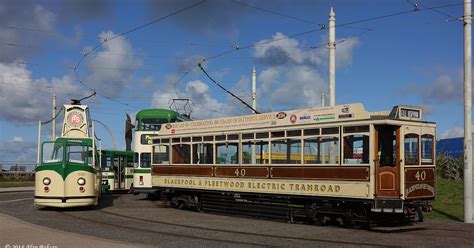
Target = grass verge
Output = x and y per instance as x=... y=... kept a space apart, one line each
x=10 y=184
x=449 y=203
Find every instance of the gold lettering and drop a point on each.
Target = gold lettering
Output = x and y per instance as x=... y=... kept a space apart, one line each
x=337 y=188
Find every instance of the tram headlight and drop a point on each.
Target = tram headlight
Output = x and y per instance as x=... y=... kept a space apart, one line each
x=81 y=181
x=46 y=181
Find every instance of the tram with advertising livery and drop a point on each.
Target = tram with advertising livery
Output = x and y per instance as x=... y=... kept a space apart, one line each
x=148 y=124
x=68 y=173
x=341 y=164
x=117 y=170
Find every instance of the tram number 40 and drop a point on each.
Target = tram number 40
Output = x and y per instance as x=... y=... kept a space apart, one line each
x=240 y=172
x=420 y=175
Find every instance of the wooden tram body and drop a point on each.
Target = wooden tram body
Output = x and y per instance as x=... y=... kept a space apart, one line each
x=338 y=162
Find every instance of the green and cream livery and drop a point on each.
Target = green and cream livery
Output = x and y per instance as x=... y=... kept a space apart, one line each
x=68 y=174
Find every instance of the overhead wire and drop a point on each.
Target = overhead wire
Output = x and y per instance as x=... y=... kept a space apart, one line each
x=85 y=54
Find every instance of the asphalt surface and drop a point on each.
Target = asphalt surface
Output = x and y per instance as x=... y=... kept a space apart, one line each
x=138 y=221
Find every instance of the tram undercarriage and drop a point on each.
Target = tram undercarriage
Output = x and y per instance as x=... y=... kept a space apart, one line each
x=350 y=213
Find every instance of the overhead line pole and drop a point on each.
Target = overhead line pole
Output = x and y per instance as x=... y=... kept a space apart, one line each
x=332 y=58
x=467 y=113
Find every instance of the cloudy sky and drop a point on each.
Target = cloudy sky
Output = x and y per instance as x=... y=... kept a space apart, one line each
x=413 y=58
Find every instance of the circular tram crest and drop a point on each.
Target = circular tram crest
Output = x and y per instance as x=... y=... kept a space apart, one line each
x=74 y=119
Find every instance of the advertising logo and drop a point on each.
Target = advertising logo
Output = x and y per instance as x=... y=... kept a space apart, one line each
x=168 y=126
x=281 y=115
x=74 y=119
x=293 y=118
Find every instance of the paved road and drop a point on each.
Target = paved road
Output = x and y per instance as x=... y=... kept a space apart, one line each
x=135 y=220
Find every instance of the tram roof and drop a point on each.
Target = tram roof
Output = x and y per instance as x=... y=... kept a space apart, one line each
x=156 y=113
x=338 y=113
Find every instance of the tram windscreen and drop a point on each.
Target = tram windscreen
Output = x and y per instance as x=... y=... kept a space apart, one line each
x=78 y=154
x=152 y=124
x=52 y=152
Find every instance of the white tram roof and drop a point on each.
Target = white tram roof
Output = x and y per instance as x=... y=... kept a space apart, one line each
x=338 y=113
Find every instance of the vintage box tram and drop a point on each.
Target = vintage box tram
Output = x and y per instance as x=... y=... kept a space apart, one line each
x=332 y=163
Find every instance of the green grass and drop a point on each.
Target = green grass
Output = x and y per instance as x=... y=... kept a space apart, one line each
x=449 y=202
x=9 y=184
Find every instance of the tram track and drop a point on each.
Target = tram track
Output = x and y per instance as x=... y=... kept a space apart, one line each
x=259 y=235
x=162 y=232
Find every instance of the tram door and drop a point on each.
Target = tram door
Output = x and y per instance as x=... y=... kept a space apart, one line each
x=387 y=161
x=119 y=172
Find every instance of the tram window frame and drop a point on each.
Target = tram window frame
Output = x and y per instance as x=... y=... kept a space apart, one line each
x=365 y=160
x=259 y=151
x=196 y=156
x=330 y=130
x=208 y=138
x=196 y=139
x=278 y=134
x=248 y=136
x=184 y=149
x=293 y=133
x=365 y=129
x=262 y=135
x=306 y=139
x=322 y=139
x=430 y=160
x=85 y=159
x=165 y=155
x=288 y=151
x=50 y=152
x=227 y=144
x=416 y=146
x=142 y=159
x=311 y=132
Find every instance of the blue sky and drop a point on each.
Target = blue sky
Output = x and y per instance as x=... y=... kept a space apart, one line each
x=414 y=58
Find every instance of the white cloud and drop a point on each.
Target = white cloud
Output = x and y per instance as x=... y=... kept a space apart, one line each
x=292 y=76
x=455 y=132
x=17 y=139
x=26 y=100
x=112 y=67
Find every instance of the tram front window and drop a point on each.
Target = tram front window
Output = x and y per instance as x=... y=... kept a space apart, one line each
x=78 y=154
x=145 y=160
x=52 y=152
x=151 y=124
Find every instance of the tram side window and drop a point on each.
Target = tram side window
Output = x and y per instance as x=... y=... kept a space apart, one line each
x=256 y=151
x=161 y=154
x=181 y=154
x=356 y=149
x=286 y=151
x=329 y=150
x=321 y=150
x=52 y=152
x=135 y=159
x=145 y=160
x=227 y=153
x=427 y=149
x=312 y=151
x=203 y=154
x=78 y=154
x=411 y=149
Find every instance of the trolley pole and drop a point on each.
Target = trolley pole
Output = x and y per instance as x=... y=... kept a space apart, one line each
x=467 y=113
x=254 y=106
x=323 y=99
x=332 y=58
x=53 y=131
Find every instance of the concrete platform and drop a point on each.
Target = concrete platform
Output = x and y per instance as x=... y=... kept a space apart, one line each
x=16 y=233
x=16 y=189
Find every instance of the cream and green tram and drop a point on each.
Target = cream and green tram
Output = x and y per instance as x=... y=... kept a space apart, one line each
x=67 y=175
x=148 y=124
x=340 y=163
x=68 y=172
